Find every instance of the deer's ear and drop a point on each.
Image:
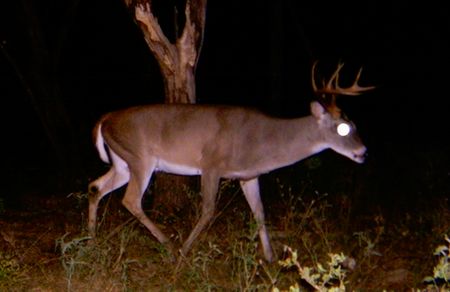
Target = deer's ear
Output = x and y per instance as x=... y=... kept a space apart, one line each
x=317 y=110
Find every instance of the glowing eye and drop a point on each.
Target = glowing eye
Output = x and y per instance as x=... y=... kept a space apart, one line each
x=343 y=129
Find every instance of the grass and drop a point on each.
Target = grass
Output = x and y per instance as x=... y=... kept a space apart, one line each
x=323 y=242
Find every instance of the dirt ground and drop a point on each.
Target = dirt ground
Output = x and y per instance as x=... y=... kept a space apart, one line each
x=395 y=259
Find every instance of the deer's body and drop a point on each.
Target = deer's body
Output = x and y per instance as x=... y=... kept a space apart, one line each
x=214 y=142
x=193 y=139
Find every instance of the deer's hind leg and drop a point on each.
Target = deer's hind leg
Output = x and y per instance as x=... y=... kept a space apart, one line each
x=117 y=176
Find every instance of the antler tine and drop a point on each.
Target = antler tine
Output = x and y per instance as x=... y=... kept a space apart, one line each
x=355 y=89
x=313 y=70
x=334 y=78
x=327 y=88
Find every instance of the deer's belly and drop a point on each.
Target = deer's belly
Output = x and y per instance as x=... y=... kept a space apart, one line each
x=175 y=168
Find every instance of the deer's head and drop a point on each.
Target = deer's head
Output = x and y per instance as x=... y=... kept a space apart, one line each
x=338 y=132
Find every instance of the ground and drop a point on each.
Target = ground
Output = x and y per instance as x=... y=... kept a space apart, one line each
x=43 y=245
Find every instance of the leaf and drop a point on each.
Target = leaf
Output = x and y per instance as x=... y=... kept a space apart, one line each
x=441 y=250
x=294 y=288
x=428 y=279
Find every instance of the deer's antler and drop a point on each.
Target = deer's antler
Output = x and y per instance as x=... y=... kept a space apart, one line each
x=332 y=88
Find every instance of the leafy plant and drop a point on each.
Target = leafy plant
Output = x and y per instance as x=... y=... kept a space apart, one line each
x=441 y=271
x=11 y=272
x=248 y=271
x=329 y=277
x=71 y=254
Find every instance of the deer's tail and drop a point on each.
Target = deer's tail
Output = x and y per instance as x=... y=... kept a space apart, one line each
x=100 y=142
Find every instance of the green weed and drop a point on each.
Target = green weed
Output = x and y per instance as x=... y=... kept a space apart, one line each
x=440 y=280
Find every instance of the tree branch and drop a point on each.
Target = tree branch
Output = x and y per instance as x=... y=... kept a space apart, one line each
x=197 y=16
x=164 y=51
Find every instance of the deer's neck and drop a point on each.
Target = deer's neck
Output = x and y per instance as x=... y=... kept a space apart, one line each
x=280 y=143
x=301 y=138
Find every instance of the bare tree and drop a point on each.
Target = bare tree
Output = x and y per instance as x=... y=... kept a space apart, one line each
x=177 y=60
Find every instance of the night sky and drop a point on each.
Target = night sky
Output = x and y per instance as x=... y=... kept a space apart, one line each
x=254 y=54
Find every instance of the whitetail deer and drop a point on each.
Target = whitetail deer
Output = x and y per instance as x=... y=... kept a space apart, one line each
x=215 y=142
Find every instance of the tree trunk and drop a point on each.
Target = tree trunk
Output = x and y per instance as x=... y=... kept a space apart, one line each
x=180 y=86
x=177 y=62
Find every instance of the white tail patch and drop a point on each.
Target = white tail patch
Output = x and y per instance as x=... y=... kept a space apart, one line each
x=100 y=145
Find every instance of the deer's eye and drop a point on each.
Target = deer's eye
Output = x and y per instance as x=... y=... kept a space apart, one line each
x=343 y=129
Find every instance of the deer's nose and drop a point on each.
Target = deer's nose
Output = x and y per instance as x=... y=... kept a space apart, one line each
x=360 y=154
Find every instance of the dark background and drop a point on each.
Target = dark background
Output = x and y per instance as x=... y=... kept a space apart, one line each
x=255 y=53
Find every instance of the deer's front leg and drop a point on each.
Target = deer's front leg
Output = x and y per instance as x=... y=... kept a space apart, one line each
x=251 y=192
x=209 y=188
x=140 y=173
